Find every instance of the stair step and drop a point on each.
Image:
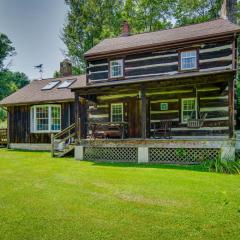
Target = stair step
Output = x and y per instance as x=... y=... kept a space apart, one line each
x=65 y=151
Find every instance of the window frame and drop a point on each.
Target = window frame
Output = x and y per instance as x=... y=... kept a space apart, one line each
x=111 y=111
x=110 y=68
x=196 y=68
x=33 y=119
x=196 y=108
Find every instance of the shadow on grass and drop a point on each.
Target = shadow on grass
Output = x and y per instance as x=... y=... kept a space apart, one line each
x=198 y=168
x=25 y=150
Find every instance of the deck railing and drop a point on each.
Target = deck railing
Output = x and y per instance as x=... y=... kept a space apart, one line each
x=3 y=137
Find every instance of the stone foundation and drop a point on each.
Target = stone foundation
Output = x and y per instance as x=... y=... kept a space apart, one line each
x=31 y=146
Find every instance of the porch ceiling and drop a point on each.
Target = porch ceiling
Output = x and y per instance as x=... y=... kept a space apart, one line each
x=196 y=80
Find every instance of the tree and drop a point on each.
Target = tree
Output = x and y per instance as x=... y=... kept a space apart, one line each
x=6 y=49
x=88 y=22
x=11 y=81
x=56 y=74
x=188 y=11
x=148 y=15
x=91 y=21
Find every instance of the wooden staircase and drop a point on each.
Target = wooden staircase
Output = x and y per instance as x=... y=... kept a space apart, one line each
x=63 y=142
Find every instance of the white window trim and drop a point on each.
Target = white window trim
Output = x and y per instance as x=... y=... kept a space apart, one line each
x=196 y=107
x=33 y=118
x=114 y=104
x=196 y=59
x=110 y=68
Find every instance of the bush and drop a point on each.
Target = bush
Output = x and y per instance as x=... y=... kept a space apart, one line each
x=3 y=114
x=229 y=166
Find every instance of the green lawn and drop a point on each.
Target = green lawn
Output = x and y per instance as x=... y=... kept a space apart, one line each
x=64 y=199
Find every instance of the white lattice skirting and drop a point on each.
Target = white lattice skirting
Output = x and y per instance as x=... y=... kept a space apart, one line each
x=153 y=155
x=182 y=155
x=111 y=154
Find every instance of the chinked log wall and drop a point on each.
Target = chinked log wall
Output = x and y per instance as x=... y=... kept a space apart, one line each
x=212 y=56
x=19 y=124
x=210 y=99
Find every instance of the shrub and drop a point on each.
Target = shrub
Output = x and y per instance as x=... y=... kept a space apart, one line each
x=3 y=114
x=229 y=166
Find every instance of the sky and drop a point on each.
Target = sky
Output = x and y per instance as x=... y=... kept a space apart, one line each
x=34 y=27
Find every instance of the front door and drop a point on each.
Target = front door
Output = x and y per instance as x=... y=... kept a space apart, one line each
x=134 y=119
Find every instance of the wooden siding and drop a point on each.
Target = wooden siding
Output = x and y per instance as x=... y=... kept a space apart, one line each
x=216 y=107
x=212 y=100
x=19 y=124
x=212 y=56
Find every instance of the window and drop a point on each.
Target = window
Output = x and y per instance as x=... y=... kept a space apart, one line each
x=189 y=60
x=116 y=68
x=66 y=83
x=46 y=118
x=50 y=85
x=189 y=109
x=117 y=112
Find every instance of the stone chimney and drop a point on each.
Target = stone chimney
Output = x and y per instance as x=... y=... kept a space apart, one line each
x=65 y=68
x=125 y=29
x=229 y=10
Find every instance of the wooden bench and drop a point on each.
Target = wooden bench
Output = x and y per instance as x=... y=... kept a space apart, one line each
x=107 y=130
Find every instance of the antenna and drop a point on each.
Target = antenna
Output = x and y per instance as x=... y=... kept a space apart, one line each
x=40 y=68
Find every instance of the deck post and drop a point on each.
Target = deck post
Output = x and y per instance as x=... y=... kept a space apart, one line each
x=8 y=129
x=143 y=154
x=79 y=153
x=83 y=114
x=143 y=113
x=231 y=106
x=77 y=106
x=52 y=145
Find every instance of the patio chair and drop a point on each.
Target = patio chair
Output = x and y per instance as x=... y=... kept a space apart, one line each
x=162 y=129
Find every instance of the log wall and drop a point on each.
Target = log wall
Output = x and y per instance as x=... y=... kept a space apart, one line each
x=212 y=100
x=212 y=56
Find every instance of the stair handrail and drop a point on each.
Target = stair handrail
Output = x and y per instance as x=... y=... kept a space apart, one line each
x=56 y=138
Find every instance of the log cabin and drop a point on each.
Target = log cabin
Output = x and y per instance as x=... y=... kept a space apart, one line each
x=164 y=96
x=156 y=97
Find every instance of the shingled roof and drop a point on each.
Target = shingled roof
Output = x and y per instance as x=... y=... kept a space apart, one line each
x=163 y=37
x=33 y=93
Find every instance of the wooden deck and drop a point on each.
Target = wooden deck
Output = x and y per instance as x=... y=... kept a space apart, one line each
x=3 y=137
x=175 y=142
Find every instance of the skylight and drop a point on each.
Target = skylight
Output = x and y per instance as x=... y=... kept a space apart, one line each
x=50 y=85
x=66 y=83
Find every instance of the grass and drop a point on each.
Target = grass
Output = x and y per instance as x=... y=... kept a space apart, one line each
x=44 y=198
